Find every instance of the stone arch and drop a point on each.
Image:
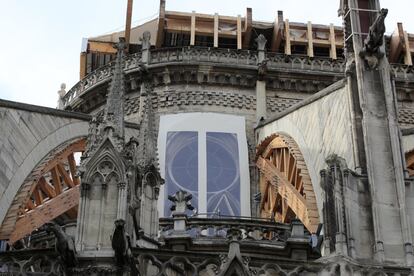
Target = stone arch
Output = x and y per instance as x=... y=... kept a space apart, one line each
x=285 y=183
x=18 y=189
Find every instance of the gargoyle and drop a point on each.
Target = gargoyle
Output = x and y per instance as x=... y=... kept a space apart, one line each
x=375 y=36
x=65 y=245
x=375 y=39
x=121 y=244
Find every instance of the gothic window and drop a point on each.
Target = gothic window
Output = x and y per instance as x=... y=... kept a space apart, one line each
x=182 y=164
x=206 y=155
x=223 y=174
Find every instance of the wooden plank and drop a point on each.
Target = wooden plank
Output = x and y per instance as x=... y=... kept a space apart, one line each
x=161 y=25
x=239 y=33
x=192 y=28
x=66 y=178
x=215 y=31
x=288 y=50
x=101 y=47
x=56 y=180
x=247 y=28
x=48 y=211
x=310 y=39
x=332 y=41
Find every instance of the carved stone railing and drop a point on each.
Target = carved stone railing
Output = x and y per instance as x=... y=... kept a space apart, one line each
x=277 y=60
x=204 y=54
x=217 y=228
x=99 y=76
x=402 y=72
x=226 y=57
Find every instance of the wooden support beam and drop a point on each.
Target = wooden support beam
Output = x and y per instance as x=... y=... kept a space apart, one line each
x=294 y=199
x=30 y=205
x=407 y=50
x=247 y=28
x=193 y=28
x=72 y=168
x=161 y=25
x=239 y=33
x=128 y=22
x=288 y=50
x=215 y=31
x=82 y=71
x=46 y=188
x=397 y=44
x=310 y=39
x=66 y=178
x=48 y=211
x=75 y=147
x=56 y=180
x=277 y=32
x=37 y=197
x=332 y=40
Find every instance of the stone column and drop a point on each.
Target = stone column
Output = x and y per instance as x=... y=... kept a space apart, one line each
x=261 y=83
x=83 y=206
x=122 y=201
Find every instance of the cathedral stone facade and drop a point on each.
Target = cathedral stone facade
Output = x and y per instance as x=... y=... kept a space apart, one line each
x=172 y=156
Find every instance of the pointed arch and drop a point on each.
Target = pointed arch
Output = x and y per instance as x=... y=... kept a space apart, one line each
x=108 y=154
x=285 y=185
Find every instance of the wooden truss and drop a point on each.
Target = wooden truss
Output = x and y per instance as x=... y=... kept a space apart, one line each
x=55 y=192
x=285 y=184
x=409 y=158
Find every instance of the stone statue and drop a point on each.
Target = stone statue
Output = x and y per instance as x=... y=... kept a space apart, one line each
x=65 y=245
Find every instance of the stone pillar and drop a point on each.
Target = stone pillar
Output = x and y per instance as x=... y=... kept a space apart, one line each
x=179 y=237
x=261 y=83
x=146 y=46
x=297 y=240
x=380 y=132
x=122 y=201
x=181 y=202
x=83 y=206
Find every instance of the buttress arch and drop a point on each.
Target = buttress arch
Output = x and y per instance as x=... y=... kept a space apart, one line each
x=284 y=182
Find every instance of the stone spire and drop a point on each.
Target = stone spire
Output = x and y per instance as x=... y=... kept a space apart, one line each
x=147 y=138
x=114 y=110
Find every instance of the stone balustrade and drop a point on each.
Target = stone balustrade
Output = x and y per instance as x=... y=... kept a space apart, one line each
x=224 y=57
x=252 y=229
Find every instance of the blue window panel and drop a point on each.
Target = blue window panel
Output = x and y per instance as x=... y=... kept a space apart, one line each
x=181 y=165
x=223 y=174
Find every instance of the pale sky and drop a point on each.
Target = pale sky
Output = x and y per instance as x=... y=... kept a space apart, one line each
x=41 y=39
